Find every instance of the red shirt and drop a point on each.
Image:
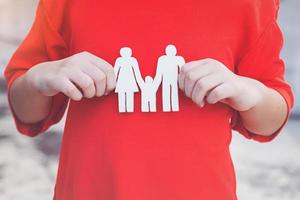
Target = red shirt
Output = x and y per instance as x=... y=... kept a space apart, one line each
x=151 y=156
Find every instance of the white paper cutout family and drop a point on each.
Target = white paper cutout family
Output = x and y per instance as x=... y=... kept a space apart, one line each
x=129 y=80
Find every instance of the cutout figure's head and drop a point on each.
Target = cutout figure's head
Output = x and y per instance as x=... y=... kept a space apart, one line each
x=171 y=50
x=148 y=79
x=126 y=52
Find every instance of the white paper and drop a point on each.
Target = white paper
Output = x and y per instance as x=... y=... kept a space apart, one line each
x=129 y=80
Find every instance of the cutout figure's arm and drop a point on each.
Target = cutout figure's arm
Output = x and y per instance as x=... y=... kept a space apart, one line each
x=158 y=77
x=137 y=73
x=117 y=68
x=141 y=83
x=180 y=62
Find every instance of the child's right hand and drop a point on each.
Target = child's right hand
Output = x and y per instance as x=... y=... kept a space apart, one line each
x=80 y=75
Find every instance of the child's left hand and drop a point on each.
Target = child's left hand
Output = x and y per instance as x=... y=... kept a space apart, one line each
x=211 y=80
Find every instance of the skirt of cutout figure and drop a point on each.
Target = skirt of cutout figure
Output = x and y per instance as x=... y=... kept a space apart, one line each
x=126 y=82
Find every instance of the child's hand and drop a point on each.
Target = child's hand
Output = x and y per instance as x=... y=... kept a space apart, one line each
x=80 y=75
x=210 y=79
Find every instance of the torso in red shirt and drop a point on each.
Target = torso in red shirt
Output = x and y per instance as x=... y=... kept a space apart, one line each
x=150 y=156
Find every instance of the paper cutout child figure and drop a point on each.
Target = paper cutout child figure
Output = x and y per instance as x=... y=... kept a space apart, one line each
x=148 y=95
x=168 y=68
x=128 y=75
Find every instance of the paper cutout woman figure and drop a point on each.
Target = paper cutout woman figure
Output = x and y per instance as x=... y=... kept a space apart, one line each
x=148 y=95
x=168 y=68
x=128 y=75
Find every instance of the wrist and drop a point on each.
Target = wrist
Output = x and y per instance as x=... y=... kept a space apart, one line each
x=256 y=90
x=29 y=105
x=250 y=94
x=32 y=85
x=28 y=81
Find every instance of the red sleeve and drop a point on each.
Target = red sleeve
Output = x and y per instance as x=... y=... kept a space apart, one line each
x=264 y=64
x=43 y=43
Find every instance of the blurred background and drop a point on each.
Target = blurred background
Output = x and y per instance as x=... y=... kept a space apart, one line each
x=28 y=166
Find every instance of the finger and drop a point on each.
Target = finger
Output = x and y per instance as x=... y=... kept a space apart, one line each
x=220 y=93
x=188 y=66
x=185 y=68
x=84 y=82
x=65 y=86
x=107 y=68
x=98 y=77
x=203 y=86
x=192 y=76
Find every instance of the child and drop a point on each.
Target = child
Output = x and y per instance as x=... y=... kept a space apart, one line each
x=233 y=79
x=148 y=95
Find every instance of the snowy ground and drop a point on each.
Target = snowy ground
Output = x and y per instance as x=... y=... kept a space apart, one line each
x=28 y=165
x=268 y=171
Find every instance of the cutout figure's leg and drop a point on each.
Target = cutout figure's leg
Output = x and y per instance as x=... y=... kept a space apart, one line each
x=174 y=99
x=148 y=105
x=122 y=100
x=129 y=101
x=144 y=104
x=166 y=97
x=153 y=104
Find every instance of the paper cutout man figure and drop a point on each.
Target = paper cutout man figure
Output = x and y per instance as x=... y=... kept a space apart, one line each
x=128 y=75
x=168 y=68
x=148 y=95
